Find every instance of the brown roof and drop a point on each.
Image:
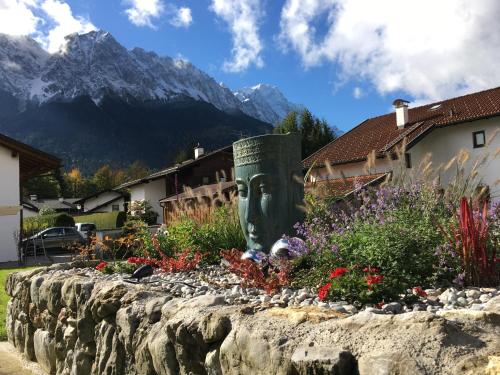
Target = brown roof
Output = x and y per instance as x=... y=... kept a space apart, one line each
x=340 y=187
x=175 y=168
x=202 y=191
x=382 y=134
x=32 y=162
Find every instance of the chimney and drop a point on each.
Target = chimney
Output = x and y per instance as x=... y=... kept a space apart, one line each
x=61 y=199
x=33 y=197
x=401 y=107
x=198 y=151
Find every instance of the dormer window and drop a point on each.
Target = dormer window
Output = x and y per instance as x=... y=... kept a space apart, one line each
x=479 y=139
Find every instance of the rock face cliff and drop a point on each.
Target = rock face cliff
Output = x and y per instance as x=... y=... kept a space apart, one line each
x=72 y=323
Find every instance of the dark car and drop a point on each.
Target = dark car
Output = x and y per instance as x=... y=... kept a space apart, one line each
x=53 y=238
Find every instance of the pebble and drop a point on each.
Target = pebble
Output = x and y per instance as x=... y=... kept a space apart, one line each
x=394 y=307
x=215 y=280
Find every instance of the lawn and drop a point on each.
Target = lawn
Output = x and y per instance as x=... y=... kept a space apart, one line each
x=4 y=298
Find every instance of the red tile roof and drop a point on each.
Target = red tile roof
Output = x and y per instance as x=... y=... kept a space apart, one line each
x=340 y=187
x=382 y=134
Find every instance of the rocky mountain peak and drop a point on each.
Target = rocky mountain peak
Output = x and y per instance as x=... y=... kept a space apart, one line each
x=94 y=63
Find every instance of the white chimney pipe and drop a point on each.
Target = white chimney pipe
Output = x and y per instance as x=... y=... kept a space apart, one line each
x=198 y=151
x=33 y=197
x=401 y=112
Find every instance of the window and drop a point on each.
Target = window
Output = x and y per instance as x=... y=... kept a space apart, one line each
x=408 y=160
x=70 y=232
x=479 y=139
x=87 y=227
x=56 y=232
x=115 y=207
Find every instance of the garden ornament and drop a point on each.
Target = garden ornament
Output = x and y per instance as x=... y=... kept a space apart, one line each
x=143 y=271
x=268 y=173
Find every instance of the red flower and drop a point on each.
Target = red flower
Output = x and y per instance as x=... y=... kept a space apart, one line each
x=370 y=269
x=419 y=291
x=142 y=260
x=323 y=291
x=337 y=272
x=373 y=279
x=101 y=265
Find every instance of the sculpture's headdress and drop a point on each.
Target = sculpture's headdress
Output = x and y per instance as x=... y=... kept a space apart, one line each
x=270 y=147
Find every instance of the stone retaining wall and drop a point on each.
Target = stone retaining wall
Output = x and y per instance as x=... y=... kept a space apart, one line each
x=71 y=323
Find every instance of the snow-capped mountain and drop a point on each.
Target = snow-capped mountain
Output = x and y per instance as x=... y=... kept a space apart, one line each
x=95 y=64
x=265 y=102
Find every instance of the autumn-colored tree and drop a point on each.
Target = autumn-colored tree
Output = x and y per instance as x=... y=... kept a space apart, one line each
x=107 y=178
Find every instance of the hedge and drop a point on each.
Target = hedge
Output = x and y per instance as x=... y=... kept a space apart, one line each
x=40 y=222
x=105 y=220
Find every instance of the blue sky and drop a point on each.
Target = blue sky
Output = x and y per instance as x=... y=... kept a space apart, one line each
x=346 y=60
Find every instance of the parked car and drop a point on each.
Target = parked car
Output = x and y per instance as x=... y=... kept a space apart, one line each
x=86 y=229
x=53 y=238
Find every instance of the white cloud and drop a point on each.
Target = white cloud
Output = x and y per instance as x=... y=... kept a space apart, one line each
x=17 y=18
x=182 y=17
x=48 y=21
x=429 y=49
x=65 y=23
x=358 y=92
x=242 y=17
x=142 y=12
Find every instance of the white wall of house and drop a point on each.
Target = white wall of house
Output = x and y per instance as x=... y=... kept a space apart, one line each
x=109 y=207
x=29 y=213
x=152 y=192
x=9 y=204
x=445 y=143
x=102 y=198
x=351 y=170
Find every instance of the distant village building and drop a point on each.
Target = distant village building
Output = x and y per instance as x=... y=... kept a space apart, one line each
x=104 y=201
x=18 y=163
x=469 y=122
x=203 y=169
x=33 y=205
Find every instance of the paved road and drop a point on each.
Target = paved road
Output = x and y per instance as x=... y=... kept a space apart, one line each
x=11 y=363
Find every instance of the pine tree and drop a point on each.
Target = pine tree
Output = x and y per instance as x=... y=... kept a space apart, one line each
x=315 y=133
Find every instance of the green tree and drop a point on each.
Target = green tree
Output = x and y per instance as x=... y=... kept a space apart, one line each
x=45 y=186
x=315 y=133
x=103 y=178
x=137 y=170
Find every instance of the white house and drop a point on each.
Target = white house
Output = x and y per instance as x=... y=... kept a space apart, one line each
x=18 y=162
x=441 y=130
x=202 y=170
x=103 y=201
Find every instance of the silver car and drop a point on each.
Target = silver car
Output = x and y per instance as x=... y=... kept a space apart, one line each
x=53 y=238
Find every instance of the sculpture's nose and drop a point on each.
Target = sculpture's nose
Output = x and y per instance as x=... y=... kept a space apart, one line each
x=251 y=208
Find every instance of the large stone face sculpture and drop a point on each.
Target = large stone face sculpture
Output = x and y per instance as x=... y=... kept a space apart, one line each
x=268 y=173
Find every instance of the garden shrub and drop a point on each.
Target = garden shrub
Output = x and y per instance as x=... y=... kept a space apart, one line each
x=221 y=231
x=391 y=229
x=105 y=220
x=40 y=222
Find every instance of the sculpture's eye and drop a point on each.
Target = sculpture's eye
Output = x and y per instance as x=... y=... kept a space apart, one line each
x=242 y=191
x=264 y=189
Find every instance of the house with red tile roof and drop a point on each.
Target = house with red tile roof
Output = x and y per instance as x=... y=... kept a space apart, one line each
x=441 y=130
